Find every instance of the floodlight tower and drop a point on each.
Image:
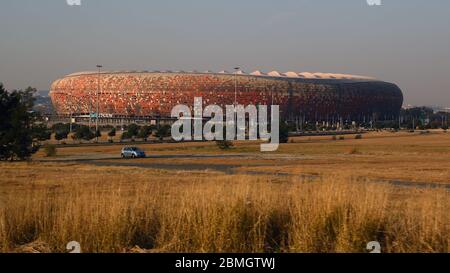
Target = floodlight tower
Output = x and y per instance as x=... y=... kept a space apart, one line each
x=98 y=103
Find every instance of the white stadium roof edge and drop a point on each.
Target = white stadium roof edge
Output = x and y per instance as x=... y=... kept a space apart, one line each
x=289 y=74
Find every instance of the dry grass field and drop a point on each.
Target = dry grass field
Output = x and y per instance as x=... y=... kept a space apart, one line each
x=417 y=157
x=196 y=198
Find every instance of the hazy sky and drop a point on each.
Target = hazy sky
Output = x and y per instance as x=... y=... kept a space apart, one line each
x=404 y=41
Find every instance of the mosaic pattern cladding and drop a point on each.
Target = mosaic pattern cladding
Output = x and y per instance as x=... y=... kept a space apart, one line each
x=156 y=93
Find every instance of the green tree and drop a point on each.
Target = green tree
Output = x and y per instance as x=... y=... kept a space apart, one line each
x=145 y=132
x=125 y=136
x=112 y=134
x=98 y=134
x=133 y=130
x=50 y=150
x=84 y=133
x=61 y=127
x=19 y=134
x=284 y=132
x=163 y=131
x=60 y=135
x=41 y=133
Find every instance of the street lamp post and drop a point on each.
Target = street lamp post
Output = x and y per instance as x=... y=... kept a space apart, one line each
x=71 y=109
x=98 y=103
x=235 y=85
x=90 y=109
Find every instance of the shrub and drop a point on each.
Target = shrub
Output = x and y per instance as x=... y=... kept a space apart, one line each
x=224 y=144
x=60 y=135
x=125 y=136
x=60 y=127
x=112 y=134
x=133 y=130
x=83 y=133
x=145 y=132
x=50 y=150
x=41 y=133
x=98 y=133
x=284 y=132
x=163 y=131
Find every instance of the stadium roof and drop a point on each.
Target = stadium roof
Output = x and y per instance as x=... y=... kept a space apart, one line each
x=290 y=74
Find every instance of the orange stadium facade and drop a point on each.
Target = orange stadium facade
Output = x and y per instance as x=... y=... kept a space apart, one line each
x=312 y=96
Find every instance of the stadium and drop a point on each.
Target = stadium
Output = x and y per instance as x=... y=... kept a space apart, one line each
x=305 y=96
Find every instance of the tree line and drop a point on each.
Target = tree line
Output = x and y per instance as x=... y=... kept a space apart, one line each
x=130 y=132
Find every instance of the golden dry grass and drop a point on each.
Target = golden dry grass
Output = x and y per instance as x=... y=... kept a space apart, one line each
x=379 y=155
x=112 y=209
x=392 y=156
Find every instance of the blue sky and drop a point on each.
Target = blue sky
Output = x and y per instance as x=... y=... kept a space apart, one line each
x=404 y=41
